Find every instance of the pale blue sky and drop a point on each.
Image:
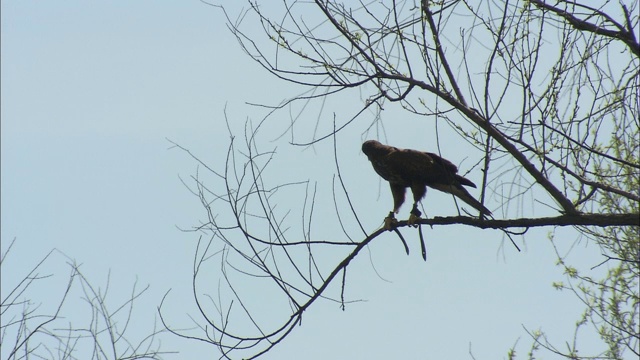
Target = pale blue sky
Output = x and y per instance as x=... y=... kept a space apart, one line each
x=90 y=93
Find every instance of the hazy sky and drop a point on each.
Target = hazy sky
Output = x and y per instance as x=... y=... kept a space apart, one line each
x=92 y=91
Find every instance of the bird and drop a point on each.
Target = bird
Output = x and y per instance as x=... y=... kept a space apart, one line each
x=417 y=170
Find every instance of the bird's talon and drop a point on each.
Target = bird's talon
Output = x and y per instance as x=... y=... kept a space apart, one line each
x=414 y=220
x=390 y=222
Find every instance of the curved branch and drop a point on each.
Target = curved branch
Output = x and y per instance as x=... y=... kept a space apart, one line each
x=625 y=35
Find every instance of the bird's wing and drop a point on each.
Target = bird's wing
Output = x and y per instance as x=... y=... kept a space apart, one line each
x=423 y=167
x=411 y=166
x=451 y=170
x=444 y=163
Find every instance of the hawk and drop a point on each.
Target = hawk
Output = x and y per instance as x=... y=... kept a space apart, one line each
x=406 y=168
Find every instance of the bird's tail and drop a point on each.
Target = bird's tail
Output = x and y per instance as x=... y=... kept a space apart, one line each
x=462 y=194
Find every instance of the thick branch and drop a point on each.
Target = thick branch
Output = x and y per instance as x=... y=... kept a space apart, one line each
x=563 y=220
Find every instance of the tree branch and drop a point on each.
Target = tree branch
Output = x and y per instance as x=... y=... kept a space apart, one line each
x=631 y=219
x=623 y=34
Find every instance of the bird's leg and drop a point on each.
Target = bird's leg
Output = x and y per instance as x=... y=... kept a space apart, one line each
x=415 y=215
x=390 y=222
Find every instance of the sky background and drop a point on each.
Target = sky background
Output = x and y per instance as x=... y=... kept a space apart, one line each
x=93 y=92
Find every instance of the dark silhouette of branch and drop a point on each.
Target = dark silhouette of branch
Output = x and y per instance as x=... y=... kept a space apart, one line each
x=551 y=121
x=563 y=220
x=29 y=331
x=625 y=33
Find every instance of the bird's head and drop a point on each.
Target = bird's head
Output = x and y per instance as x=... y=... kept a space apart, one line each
x=373 y=148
